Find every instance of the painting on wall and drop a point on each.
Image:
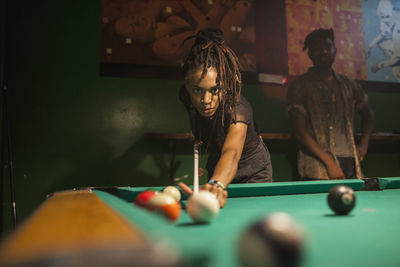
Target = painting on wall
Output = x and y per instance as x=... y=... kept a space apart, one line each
x=151 y=32
x=367 y=36
x=382 y=39
x=344 y=17
x=144 y=38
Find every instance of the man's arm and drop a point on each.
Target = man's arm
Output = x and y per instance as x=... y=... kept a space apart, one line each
x=367 y=125
x=305 y=140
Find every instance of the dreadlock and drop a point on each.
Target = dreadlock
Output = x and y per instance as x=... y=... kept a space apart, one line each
x=317 y=34
x=208 y=51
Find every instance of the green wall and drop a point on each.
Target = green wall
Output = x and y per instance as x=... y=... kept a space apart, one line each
x=71 y=127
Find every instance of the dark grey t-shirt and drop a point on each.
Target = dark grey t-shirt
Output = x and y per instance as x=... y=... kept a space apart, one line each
x=254 y=164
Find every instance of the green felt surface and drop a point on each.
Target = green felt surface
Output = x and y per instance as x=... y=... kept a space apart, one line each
x=369 y=236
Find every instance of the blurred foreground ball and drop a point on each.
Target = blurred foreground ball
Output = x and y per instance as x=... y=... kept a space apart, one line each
x=341 y=199
x=203 y=206
x=276 y=240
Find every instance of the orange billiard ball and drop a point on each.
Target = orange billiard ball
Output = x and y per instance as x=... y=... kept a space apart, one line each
x=166 y=205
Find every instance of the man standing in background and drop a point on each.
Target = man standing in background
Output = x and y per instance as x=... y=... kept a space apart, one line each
x=321 y=105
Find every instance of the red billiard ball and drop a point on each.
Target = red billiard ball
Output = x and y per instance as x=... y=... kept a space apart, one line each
x=166 y=205
x=341 y=199
x=275 y=240
x=144 y=197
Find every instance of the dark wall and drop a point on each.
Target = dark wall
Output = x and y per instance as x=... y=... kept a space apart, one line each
x=70 y=127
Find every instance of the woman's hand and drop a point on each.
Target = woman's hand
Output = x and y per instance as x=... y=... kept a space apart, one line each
x=220 y=193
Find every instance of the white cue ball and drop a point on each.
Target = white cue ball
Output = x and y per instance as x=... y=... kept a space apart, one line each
x=173 y=192
x=202 y=206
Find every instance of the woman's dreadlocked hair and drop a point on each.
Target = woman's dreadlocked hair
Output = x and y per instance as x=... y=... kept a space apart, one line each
x=208 y=51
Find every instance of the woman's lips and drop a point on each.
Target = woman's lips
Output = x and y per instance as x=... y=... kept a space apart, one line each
x=208 y=111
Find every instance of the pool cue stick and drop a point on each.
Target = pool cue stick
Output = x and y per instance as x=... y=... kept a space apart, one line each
x=6 y=144
x=5 y=129
x=196 y=169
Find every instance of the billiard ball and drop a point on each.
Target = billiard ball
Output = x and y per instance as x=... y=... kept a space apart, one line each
x=143 y=198
x=341 y=199
x=165 y=205
x=203 y=206
x=173 y=191
x=272 y=241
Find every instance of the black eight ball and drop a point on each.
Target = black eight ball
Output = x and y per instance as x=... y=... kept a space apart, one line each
x=341 y=199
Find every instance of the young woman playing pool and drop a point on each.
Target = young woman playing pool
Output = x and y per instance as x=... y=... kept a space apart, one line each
x=221 y=119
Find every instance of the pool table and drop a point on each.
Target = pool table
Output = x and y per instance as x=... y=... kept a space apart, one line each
x=368 y=236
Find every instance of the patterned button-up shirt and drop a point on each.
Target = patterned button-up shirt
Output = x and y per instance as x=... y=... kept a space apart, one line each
x=312 y=97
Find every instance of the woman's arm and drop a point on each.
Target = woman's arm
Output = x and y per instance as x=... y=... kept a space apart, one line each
x=230 y=155
x=228 y=162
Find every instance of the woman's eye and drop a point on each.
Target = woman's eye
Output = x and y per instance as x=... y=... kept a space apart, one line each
x=197 y=90
x=215 y=90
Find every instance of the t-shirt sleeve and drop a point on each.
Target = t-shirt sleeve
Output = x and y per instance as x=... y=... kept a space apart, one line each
x=244 y=112
x=295 y=98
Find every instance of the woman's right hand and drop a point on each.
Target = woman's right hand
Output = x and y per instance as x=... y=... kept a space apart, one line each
x=220 y=193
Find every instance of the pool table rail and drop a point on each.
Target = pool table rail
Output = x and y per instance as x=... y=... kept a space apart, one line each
x=282 y=188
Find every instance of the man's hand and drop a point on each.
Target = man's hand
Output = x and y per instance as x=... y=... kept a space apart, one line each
x=361 y=152
x=334 y=171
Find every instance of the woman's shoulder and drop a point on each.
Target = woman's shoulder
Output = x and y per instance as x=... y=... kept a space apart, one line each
x=242 y=101
x=242 y=105
x=243 y=110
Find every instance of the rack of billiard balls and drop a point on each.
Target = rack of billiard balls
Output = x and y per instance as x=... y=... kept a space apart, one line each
x=202 y=206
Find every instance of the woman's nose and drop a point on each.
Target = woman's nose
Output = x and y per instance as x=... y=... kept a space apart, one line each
x=207 y=97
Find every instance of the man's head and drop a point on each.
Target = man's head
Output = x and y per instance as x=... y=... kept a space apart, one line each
x=321 y=47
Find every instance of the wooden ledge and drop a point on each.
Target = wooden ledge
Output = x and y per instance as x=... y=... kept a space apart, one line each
x=265 y=136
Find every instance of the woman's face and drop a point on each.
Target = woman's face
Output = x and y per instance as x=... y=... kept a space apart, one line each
x=204 y=94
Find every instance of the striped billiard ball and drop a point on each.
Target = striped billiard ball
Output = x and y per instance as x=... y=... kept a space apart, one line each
x=341 y=199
